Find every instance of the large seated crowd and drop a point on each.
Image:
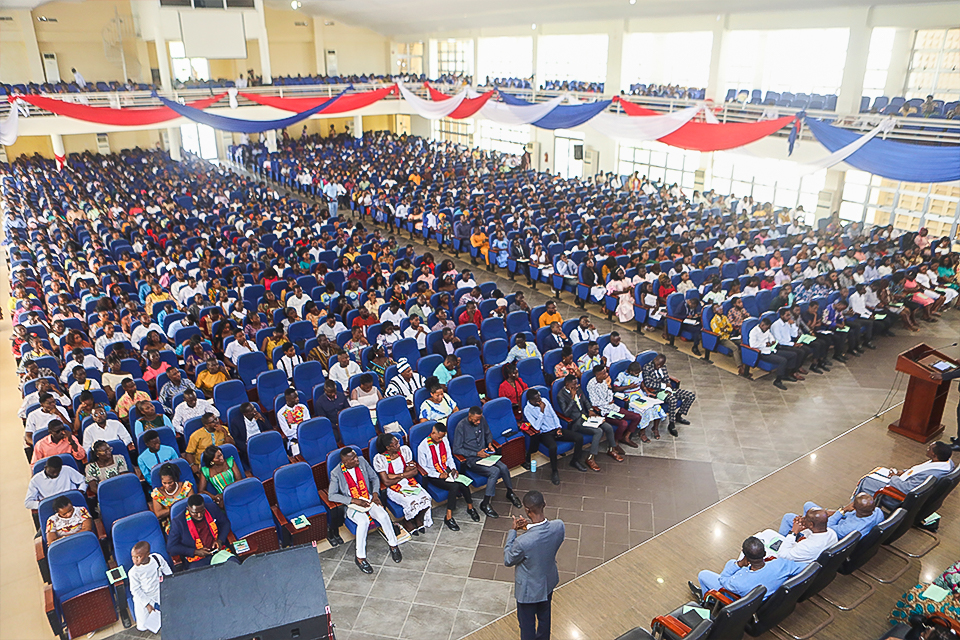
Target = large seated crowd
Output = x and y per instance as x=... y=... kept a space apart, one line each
x=196 y=348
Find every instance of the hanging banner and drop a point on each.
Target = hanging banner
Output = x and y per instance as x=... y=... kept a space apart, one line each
x=428 y=108
x=642 y=129
x=10 y=126
x=513 y=115
x=470 y=105
x=348 y=102
x=563 y=116
x=887 y=158
x=237 y=125
x=127 y=117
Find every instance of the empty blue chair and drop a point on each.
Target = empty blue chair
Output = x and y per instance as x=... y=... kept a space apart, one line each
x=250 y=366
x=492 y=329
x=118 y=497
x=300 y=331
x=406 y=348
x=316 y=439
x=82 y=597
x=463 y=391
x=531 y=372
x=495 y=351
x=267 y=454
x=470 y=363
x=428 y=364
x=228 y=394
x=250 y=516
x=503 y=426
x=394 y=409
x=518 y=322
x=270 y=384
x=356 y=427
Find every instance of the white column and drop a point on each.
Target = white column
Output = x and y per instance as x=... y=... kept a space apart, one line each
x=536 y=46
x=163 y=60
x=716 y=78
x=319 y=50
x=899 y=63
x=34 y=60
x=613 y=83
x=56 y=140
x=476 y=61
x=264 y=44
x=357 y=126
x=173 y=139
x=271 y=140
x=855 y=65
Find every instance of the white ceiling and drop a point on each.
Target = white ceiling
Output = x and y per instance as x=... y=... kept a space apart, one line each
x=405 y=17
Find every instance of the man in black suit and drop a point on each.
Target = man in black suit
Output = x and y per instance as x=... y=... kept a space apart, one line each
x=199 y=532
x=448 y=344
x=521 y=254
x=556 y=338
x=575 y=408
x=246 y=423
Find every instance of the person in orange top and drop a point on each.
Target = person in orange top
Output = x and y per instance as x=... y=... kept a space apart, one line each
x=60 y=440
x=550 y=315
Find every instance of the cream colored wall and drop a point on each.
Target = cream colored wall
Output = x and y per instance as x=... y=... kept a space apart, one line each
x=290 y=34
x=77 y=39
x=358 y=50
x=28 y=146
x=20 y=60
x=146 y=139
x=80 y=143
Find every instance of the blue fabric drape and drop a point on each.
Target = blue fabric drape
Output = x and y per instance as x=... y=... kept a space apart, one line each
x=565 y=116
x=237 y=125
x=890 y=159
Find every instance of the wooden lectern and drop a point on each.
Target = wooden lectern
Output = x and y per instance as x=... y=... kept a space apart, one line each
x=926 y=397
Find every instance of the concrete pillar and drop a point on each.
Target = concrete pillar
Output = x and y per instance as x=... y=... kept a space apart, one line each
x=613 y=83
x=319 y=50
x=536 y=72
x=271 y=140
x=56 y=141
x=34 y=60
x=855 y=65
x=357 y=126
x=476 y=61
x=264 y=44
x=173 y=139
x=716 y=78
x=899 y=63
x=163 y=60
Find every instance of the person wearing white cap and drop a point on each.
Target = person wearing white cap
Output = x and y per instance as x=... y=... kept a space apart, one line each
x=500 y=311
x=405 y=383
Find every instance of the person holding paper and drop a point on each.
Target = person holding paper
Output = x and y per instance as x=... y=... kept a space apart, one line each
x=398 y=471
x=834 y=320
x=721 y=326
x=691 y=314
x=473 y=442
x=786 y=333
x=676 y=401
x=750 y=571
x=198 y=533
x=435 y=457
x=938 y=464
x=576 y=409
x=145 y=576
x=546 y=429
x=819 y=345
x=354 y=483
x=784 y=364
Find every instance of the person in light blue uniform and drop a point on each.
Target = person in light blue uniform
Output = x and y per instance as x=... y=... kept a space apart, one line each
x=860 y=515
x=741 y=576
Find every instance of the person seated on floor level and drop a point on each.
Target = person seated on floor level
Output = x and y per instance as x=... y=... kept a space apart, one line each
x=473 y=441
x=676 y=401
x=54 y=478
x=576 y=409
x=145 y=575
x=398 y=470
x=807 y=537
x=915 y=610
x=437 y=467
x=199 y=533
x=616 y=350
x=154 y=453
x=67 y=519
x=739 y=577
x=785 y=362
x=860 y=515
x=545 y=428
x=212 y=432
x=938 y=464
x=354 y=483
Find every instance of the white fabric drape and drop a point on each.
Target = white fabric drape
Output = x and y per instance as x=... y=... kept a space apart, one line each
x=428 y=108
x=10 y=127
x=512 y=115
x=232 y=94
x=886 y=125
x=642 y=128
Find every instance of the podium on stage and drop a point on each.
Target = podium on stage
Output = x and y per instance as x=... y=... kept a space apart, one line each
x=926 y=397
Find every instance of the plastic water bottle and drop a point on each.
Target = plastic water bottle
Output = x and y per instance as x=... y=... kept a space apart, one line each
x=533 y=465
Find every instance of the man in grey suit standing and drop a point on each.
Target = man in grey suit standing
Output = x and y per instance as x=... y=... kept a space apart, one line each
x=534 y=554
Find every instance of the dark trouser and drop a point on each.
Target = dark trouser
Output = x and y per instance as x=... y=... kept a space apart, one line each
x=784 y=361
x=838 y=340
x=523 y=268
x=862 y=325
x=678 y=403
x=625 y=425
x=605 y=428
x=799 y=350
x=819 y=347
x=453 y=490
x=852 y=334
x=335 y=520
x=534 y=619
x=550 y=438
x=493 y=472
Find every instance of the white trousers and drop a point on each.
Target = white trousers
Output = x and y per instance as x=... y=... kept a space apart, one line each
x=382 y=518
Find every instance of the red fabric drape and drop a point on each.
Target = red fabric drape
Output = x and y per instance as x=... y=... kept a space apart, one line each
x=344 y=103
x=127 y=117
x=467 y=108
x=701 y=136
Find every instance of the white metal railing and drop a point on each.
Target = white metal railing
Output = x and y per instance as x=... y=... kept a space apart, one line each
x=922 y=130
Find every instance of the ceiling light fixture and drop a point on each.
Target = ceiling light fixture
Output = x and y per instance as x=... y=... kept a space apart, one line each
x=295 y=4
x=633 y=1
x=534 y=26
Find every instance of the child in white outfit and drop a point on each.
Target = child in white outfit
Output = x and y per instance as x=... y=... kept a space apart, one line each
x=145 y=578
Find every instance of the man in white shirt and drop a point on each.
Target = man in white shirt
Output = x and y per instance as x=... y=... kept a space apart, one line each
x=191 y=407
x=240 y=346
x=808 y=538
x=417 y=331
x=343 y=370
x=786 y=332
x=616 y=350
x=43 y=386
x=585 y=331
x=186 y=293
x=330 y=192
x=54 y=478
x=103 y=429
x=331 y=328
x=436 y=460
x=110 y=336
x=761 y=339
x=297 y=300
x=393 y=314
x=78 y=79
x=146 y=326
